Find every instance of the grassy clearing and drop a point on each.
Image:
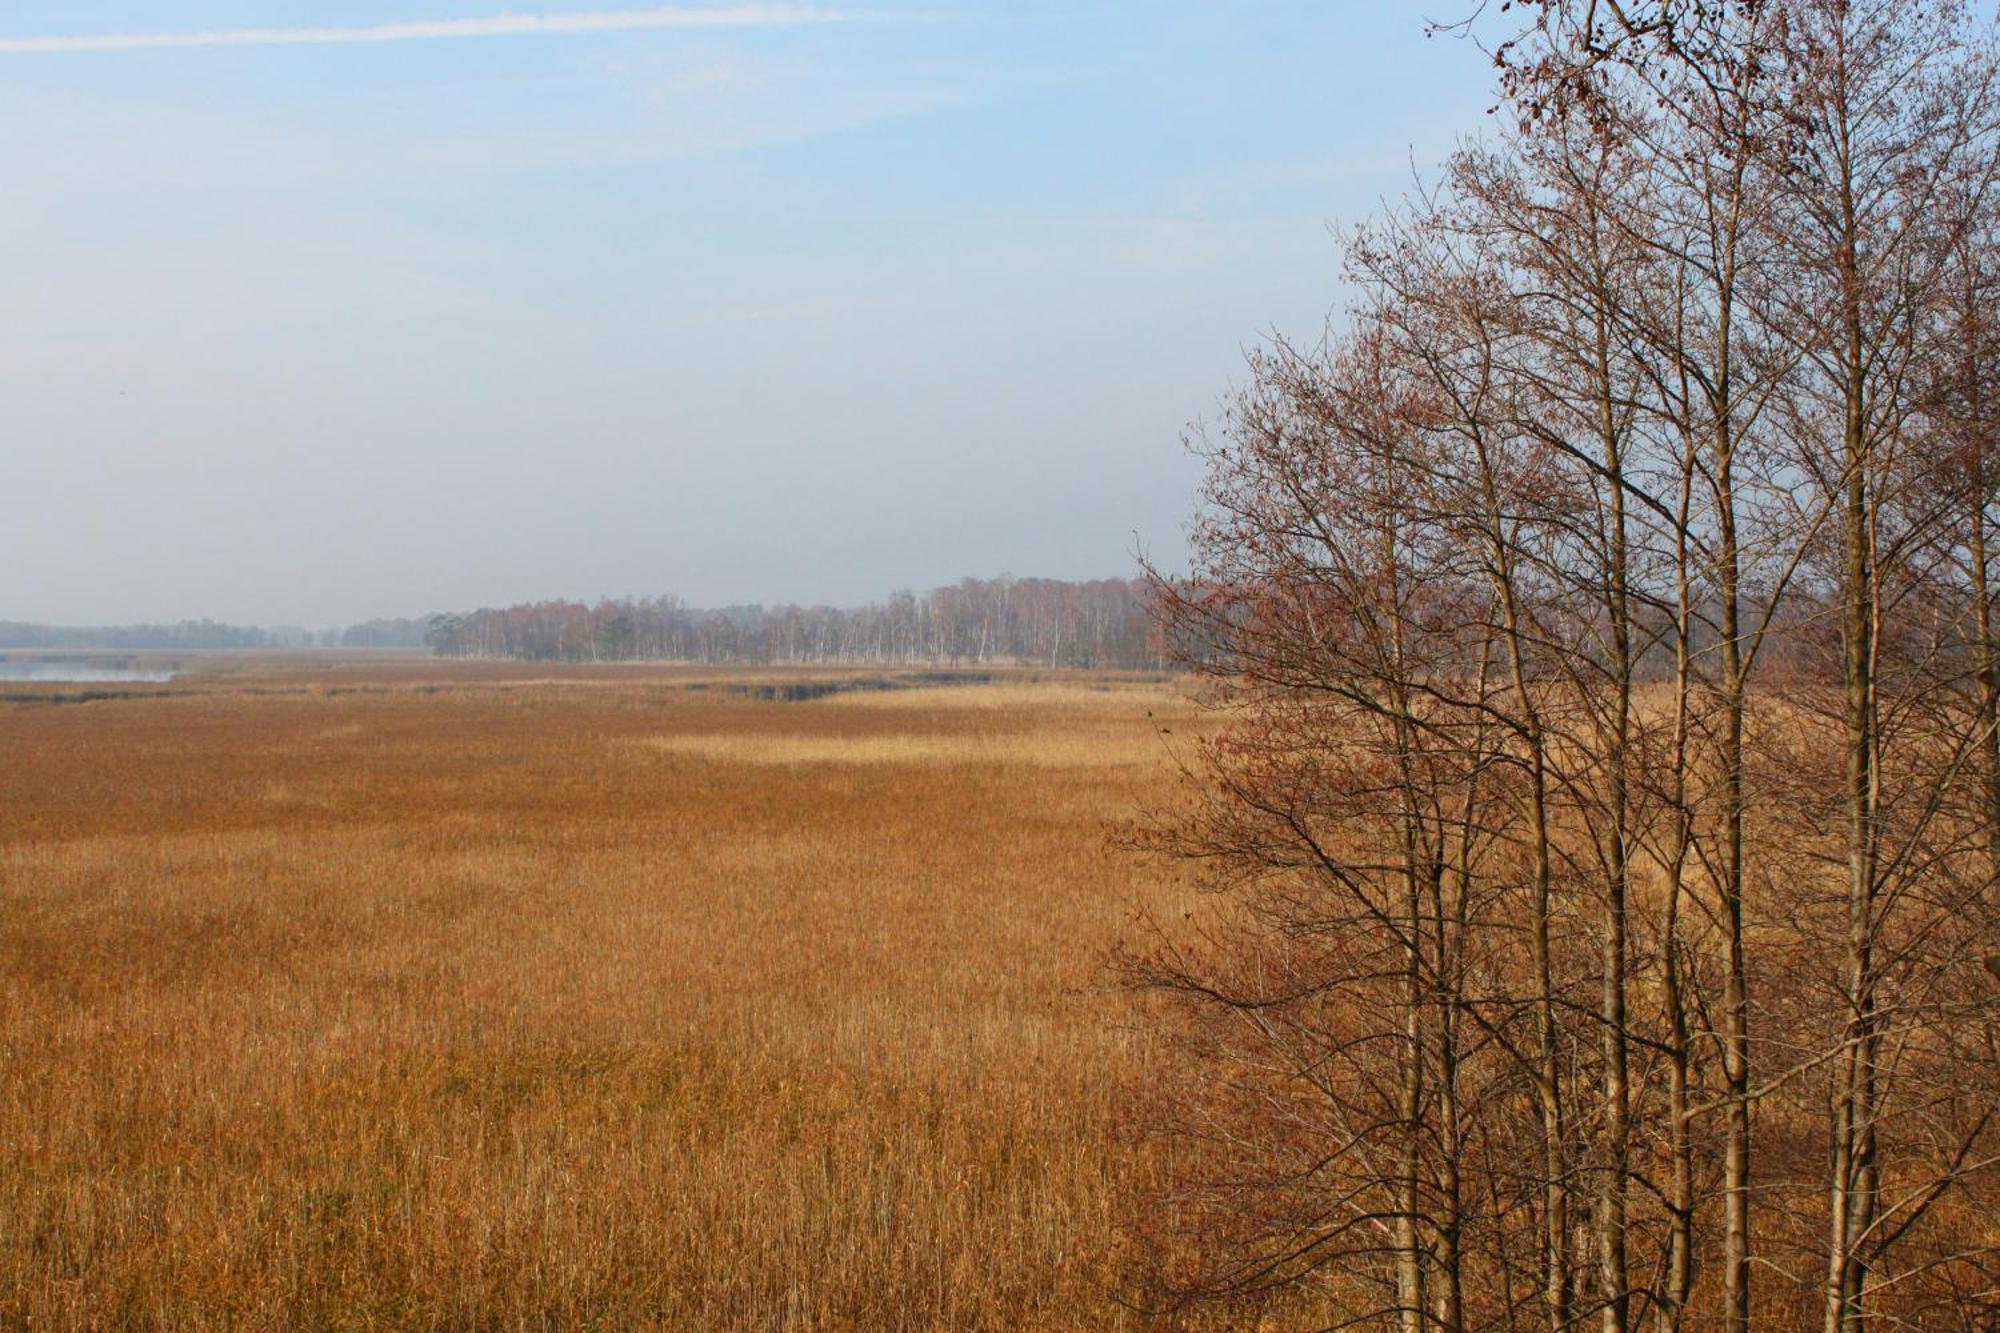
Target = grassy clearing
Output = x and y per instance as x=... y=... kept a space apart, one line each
x=449 y=998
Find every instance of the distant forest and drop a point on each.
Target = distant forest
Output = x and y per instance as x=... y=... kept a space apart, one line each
x=1097 y=623
x=1100 y=623
x=108 y=638
x=208 y=635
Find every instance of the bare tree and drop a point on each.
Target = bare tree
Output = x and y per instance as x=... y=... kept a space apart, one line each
x=1608 y=784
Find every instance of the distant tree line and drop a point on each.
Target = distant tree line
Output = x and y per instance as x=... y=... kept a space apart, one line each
x=185 y=634
x=1095 y=623
x=210 y=634
x=1098 y=623
x=402 y=632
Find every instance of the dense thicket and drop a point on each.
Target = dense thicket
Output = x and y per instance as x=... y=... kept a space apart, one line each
x=1102 y=623
x=1608 y=808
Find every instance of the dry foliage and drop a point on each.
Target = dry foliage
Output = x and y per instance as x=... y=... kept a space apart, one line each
x=422 y=995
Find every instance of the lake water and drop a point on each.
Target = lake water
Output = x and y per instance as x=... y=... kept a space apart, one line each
x=52 y=669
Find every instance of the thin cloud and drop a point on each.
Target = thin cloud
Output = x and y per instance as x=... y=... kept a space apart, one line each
x=499 y=25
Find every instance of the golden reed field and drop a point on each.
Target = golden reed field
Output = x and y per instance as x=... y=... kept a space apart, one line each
x=489 y=996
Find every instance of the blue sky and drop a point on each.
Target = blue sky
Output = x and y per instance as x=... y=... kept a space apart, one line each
x=764 y=307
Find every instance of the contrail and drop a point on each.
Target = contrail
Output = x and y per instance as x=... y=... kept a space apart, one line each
x=500 y=25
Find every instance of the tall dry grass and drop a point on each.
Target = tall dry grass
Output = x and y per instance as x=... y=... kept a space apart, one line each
x=447 y=998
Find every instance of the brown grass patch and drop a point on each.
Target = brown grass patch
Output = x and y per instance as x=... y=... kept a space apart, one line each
x=440 y=1004
x=1099 y=748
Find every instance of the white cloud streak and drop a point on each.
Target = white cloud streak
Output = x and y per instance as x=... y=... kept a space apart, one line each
x=500 y=25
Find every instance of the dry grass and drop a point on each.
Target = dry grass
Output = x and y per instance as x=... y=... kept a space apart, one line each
x=1094 y=747
x=414 y=995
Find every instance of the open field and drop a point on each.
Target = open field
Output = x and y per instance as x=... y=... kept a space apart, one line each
x=483 y=995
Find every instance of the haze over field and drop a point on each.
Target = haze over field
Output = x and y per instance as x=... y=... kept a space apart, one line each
x=323 y=312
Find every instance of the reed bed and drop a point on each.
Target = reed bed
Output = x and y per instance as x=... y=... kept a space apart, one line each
x=433 y=996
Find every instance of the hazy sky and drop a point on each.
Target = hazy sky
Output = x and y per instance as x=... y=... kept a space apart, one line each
x=316 y=310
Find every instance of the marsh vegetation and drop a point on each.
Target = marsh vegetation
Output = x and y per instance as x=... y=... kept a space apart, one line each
x=463 y=995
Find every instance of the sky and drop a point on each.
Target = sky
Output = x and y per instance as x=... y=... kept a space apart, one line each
x=316 y=311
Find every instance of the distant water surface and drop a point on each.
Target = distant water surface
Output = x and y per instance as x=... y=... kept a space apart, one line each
x=56 y=669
